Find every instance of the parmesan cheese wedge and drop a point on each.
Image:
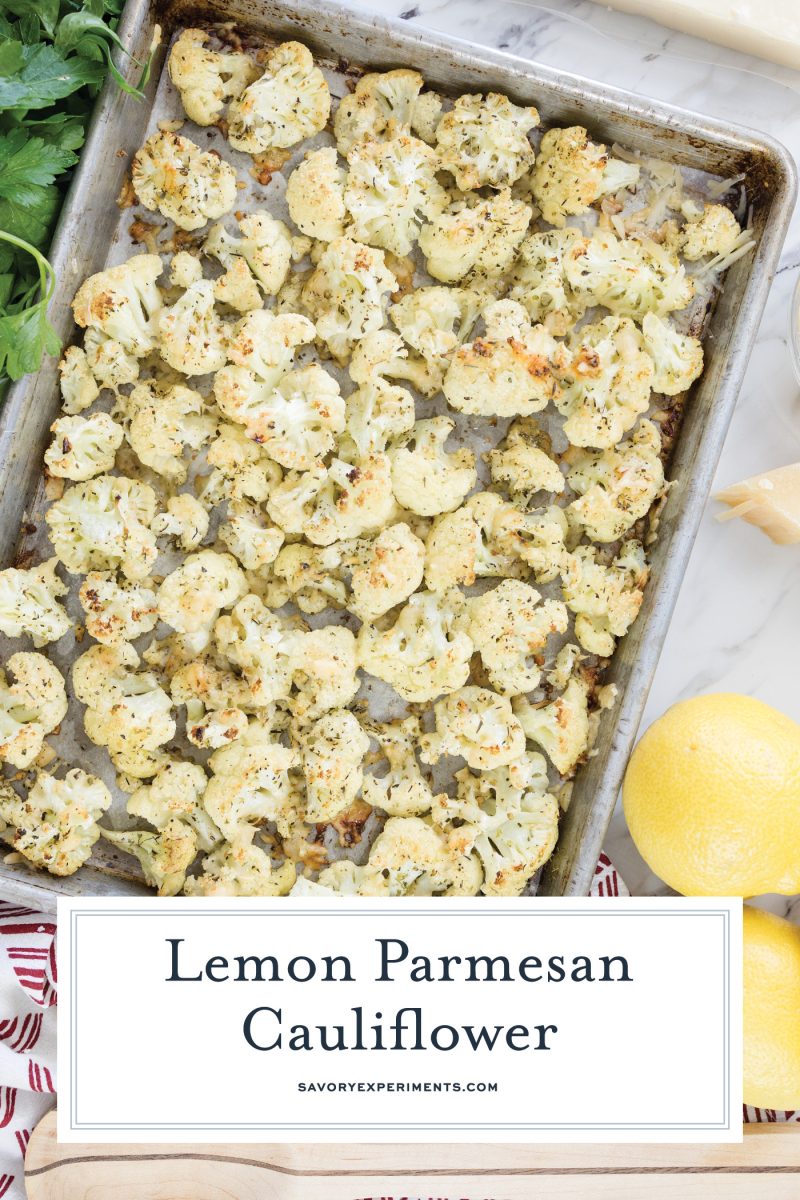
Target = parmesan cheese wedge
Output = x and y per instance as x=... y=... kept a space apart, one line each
x=770 y=501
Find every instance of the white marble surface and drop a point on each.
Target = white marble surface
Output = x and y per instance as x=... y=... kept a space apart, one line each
x=736 y=625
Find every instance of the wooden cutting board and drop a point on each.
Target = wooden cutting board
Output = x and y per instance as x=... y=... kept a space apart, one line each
x=766 y=1165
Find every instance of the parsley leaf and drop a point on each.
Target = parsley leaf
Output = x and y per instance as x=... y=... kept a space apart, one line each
x=42 y=75
x=29 y=164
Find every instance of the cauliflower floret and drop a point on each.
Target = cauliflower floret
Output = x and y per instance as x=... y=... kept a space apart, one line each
x=509 y=629
x=426 y=652
x=568 y=658
x=485 y=141
x=346 y=292
x=296 y=421
x=212 y=730
x=523 y=462
x=332 y=751
x=110 y=363
x=253 y=541
x=417 y=860
x=55 y=825
x=206 y=79
x=403 y=790
x=331 y=504
x=164 y=856
x=375 y=414
x=164 y=421
x=192 y=334
x=78 y=385
x=288 y=103
x=250 y=785
x=426 y=478
x=104 y=524
x=237 y=288
x=241 y=469
x=390 y=190
x=383 y=104
x=176 y=794
x=607 y=376
x=240 y=871
x=122 y=303
x=716 y=232
x=538 y=281
x=562 y=727
x=343 y=878
x=265 y=247
x=116 y=611
x=259 y=644
x=628 y=277
x=187 y=185
x=185 y=520
x=29 y=603
x=435 y=321
x=536 y=538
x=605 y=598
x=185 y=269
x=192 y=596
x=323 y=664
x=572 y=172
x=617 y=486
x=381 y=355
x=315 y=195
x=678 y=359
x=510 y=821
x=313 y=575
x=477 y=725
x=33 y=702
x=386 y=571
x=462 y=545
x=508 y=371
x=468 y=242
x=83 y=446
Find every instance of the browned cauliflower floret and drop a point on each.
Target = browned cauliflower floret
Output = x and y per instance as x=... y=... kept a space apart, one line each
x=381 y=104
x=191 y=598
x=386 y=571
x=435 y=321
x=33 y=702
x=678 y=359
x=333 y=503
x=426 y=652
x=165 y=420
x=249 y=536
x=403 y=790
x=539 y=283
x=207 y=79
x=412 y=858
x=117 y=611
x=536 y=538
x=391 y=190
x=606 y=597
x=313 y=576
x=55 y=825
x=240 y=870
x=260 y=645
x=104 y=524
x=485 y=140
x=264 y=251
x=176 y=793
x=83 y=446
x=510 y=628
x=508 y=371
x=121 y=305
x=29 y=603
x=187 y=185
x=617 y=486
x=561 y=727
x=346 y=294
x=240 y=468
x=716 y=232
x=185 y=520
x=572 y=172
x=463 y=545
x=78 y=385
x=250 y=784
x=629 y=277
x=332 y=750
x=479 y=241
x=323 y=664
x=523 y=462
x=288 y=103
x=476 y=725
x=164 y=855
x=192 y=334
x=426 y=478
x=315 y=195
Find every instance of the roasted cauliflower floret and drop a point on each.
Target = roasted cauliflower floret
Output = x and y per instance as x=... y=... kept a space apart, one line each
x=288 y=103
x=346 y=294
x=435 y=321
x=315 y=195
x=121 y=304
x=258 y=389
x=616 y=487
x=538 y=280
x=176 y=794
x=332 y=751
x=510 y=628
x=485 y=141
x=206 y=79
x=55 y=825
x=403 y=790
x=415 y=859
x=257 y=643
x=83 y=446
x=376 y=414
x=192 y=596
x=572 y=172
x=606 y=598
x=265 y=248
x=386 y=571
x=523 y=462
x=391 y=190
x=165 y=420
x=249 y=537
x=240 y=870
x=172 y=175
x=507 y=372
x=240 y=468
x=426 y=652
x=381 y=355
x=628 y=277
x=476 y=725
x=117 y=611
x=215 y=729
x=715 y=232
x=331 y=504
x=250 y=784
x=313 y=576
x=607 y=378
x=678 y=359
x=383 y=104
x=104 y=524
x=78 y=385
x=164 y=855
x=323 y=665
x=426 y=478
x=185 y=520
x=536 y=538
x=462 y=545
x=33 y=702
x=297 y=421
x=29 y=603
x=192 y=334
x=561 y=727
x=185 y=269
x=110 y=363
x=480 y=241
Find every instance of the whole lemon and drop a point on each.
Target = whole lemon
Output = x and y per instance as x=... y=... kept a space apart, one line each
x=771 y=1011
x=712 y=797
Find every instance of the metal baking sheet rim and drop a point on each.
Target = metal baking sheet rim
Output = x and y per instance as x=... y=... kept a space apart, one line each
x=383 y=42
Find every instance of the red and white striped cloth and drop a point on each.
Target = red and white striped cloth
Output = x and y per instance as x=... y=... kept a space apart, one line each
x=28 y=1028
